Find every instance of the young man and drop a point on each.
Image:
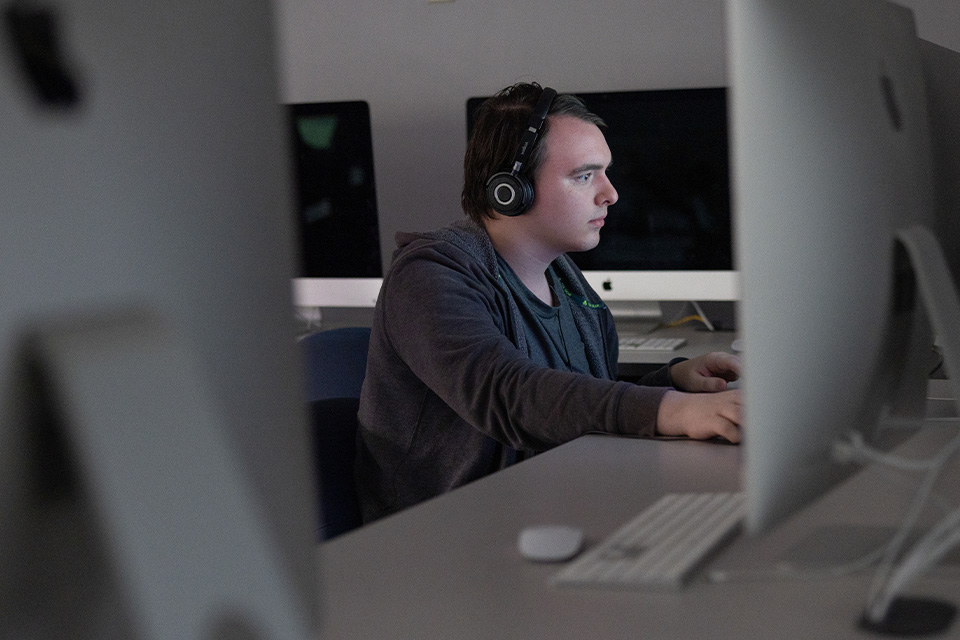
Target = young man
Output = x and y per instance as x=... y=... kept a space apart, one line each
x=489 y=346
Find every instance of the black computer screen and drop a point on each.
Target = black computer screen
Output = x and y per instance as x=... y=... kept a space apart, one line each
x=335 y=190
x=671 y=171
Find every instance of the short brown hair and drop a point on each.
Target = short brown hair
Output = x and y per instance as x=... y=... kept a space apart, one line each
x=498 y=126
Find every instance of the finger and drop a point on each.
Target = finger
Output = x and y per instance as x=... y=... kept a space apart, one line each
x=705 y=384
x=725 y=365
x=732 y=409
x=714 y=385
x=736 y=399
x=730 y=432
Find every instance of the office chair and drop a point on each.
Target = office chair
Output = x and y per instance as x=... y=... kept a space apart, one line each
x=335 y=362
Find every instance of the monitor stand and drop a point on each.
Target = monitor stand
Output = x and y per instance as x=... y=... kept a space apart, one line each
x=636 y=317
x=125 y=511
x=888 y=611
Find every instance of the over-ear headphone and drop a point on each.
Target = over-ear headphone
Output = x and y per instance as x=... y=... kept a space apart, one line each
x=508 y=192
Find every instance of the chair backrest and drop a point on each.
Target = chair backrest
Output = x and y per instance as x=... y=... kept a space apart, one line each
x=335 y=362
x=334 y=448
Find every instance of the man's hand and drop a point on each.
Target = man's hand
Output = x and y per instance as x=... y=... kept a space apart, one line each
x=707 y=373
x=700 y=415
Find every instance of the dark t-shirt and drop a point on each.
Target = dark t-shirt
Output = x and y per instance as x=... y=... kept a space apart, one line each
x=552 y=336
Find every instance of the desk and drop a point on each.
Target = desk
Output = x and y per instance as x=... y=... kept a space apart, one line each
x=449 y=568
x=634 y=364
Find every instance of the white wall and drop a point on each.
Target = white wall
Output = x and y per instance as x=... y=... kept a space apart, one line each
x=417 y=62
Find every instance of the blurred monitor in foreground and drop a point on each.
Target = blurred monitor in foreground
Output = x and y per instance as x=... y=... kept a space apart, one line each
x=154 y=450
x=845 y=165
x=831 y=157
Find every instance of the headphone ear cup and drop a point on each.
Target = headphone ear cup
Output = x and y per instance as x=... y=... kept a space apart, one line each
x=509 y=194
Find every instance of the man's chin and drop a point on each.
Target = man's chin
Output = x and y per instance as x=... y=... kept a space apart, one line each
x=588 y=244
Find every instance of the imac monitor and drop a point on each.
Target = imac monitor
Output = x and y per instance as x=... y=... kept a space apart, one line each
x=669 y=235
x=339 y=239
x=831 y=157
x=154 y=445
x=941 y=72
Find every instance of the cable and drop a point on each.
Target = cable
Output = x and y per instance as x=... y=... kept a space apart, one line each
x=698 y=316
x=928 y=551
x=684 y=320
x=787 y=570
x=892 y=576
x=858 y=451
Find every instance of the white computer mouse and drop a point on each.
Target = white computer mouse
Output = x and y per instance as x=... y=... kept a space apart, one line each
x=550 y=542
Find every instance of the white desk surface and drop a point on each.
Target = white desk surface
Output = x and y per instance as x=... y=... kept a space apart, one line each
x=449 y=568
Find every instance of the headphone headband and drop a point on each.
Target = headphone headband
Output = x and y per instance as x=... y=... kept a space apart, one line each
x=532 y=132
x=508 y=192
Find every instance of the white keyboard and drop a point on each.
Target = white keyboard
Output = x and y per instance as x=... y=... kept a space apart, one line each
x=662 y=546
x=637 y=343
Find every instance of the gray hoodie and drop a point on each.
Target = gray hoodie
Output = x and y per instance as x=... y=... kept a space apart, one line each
x=451 y=394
